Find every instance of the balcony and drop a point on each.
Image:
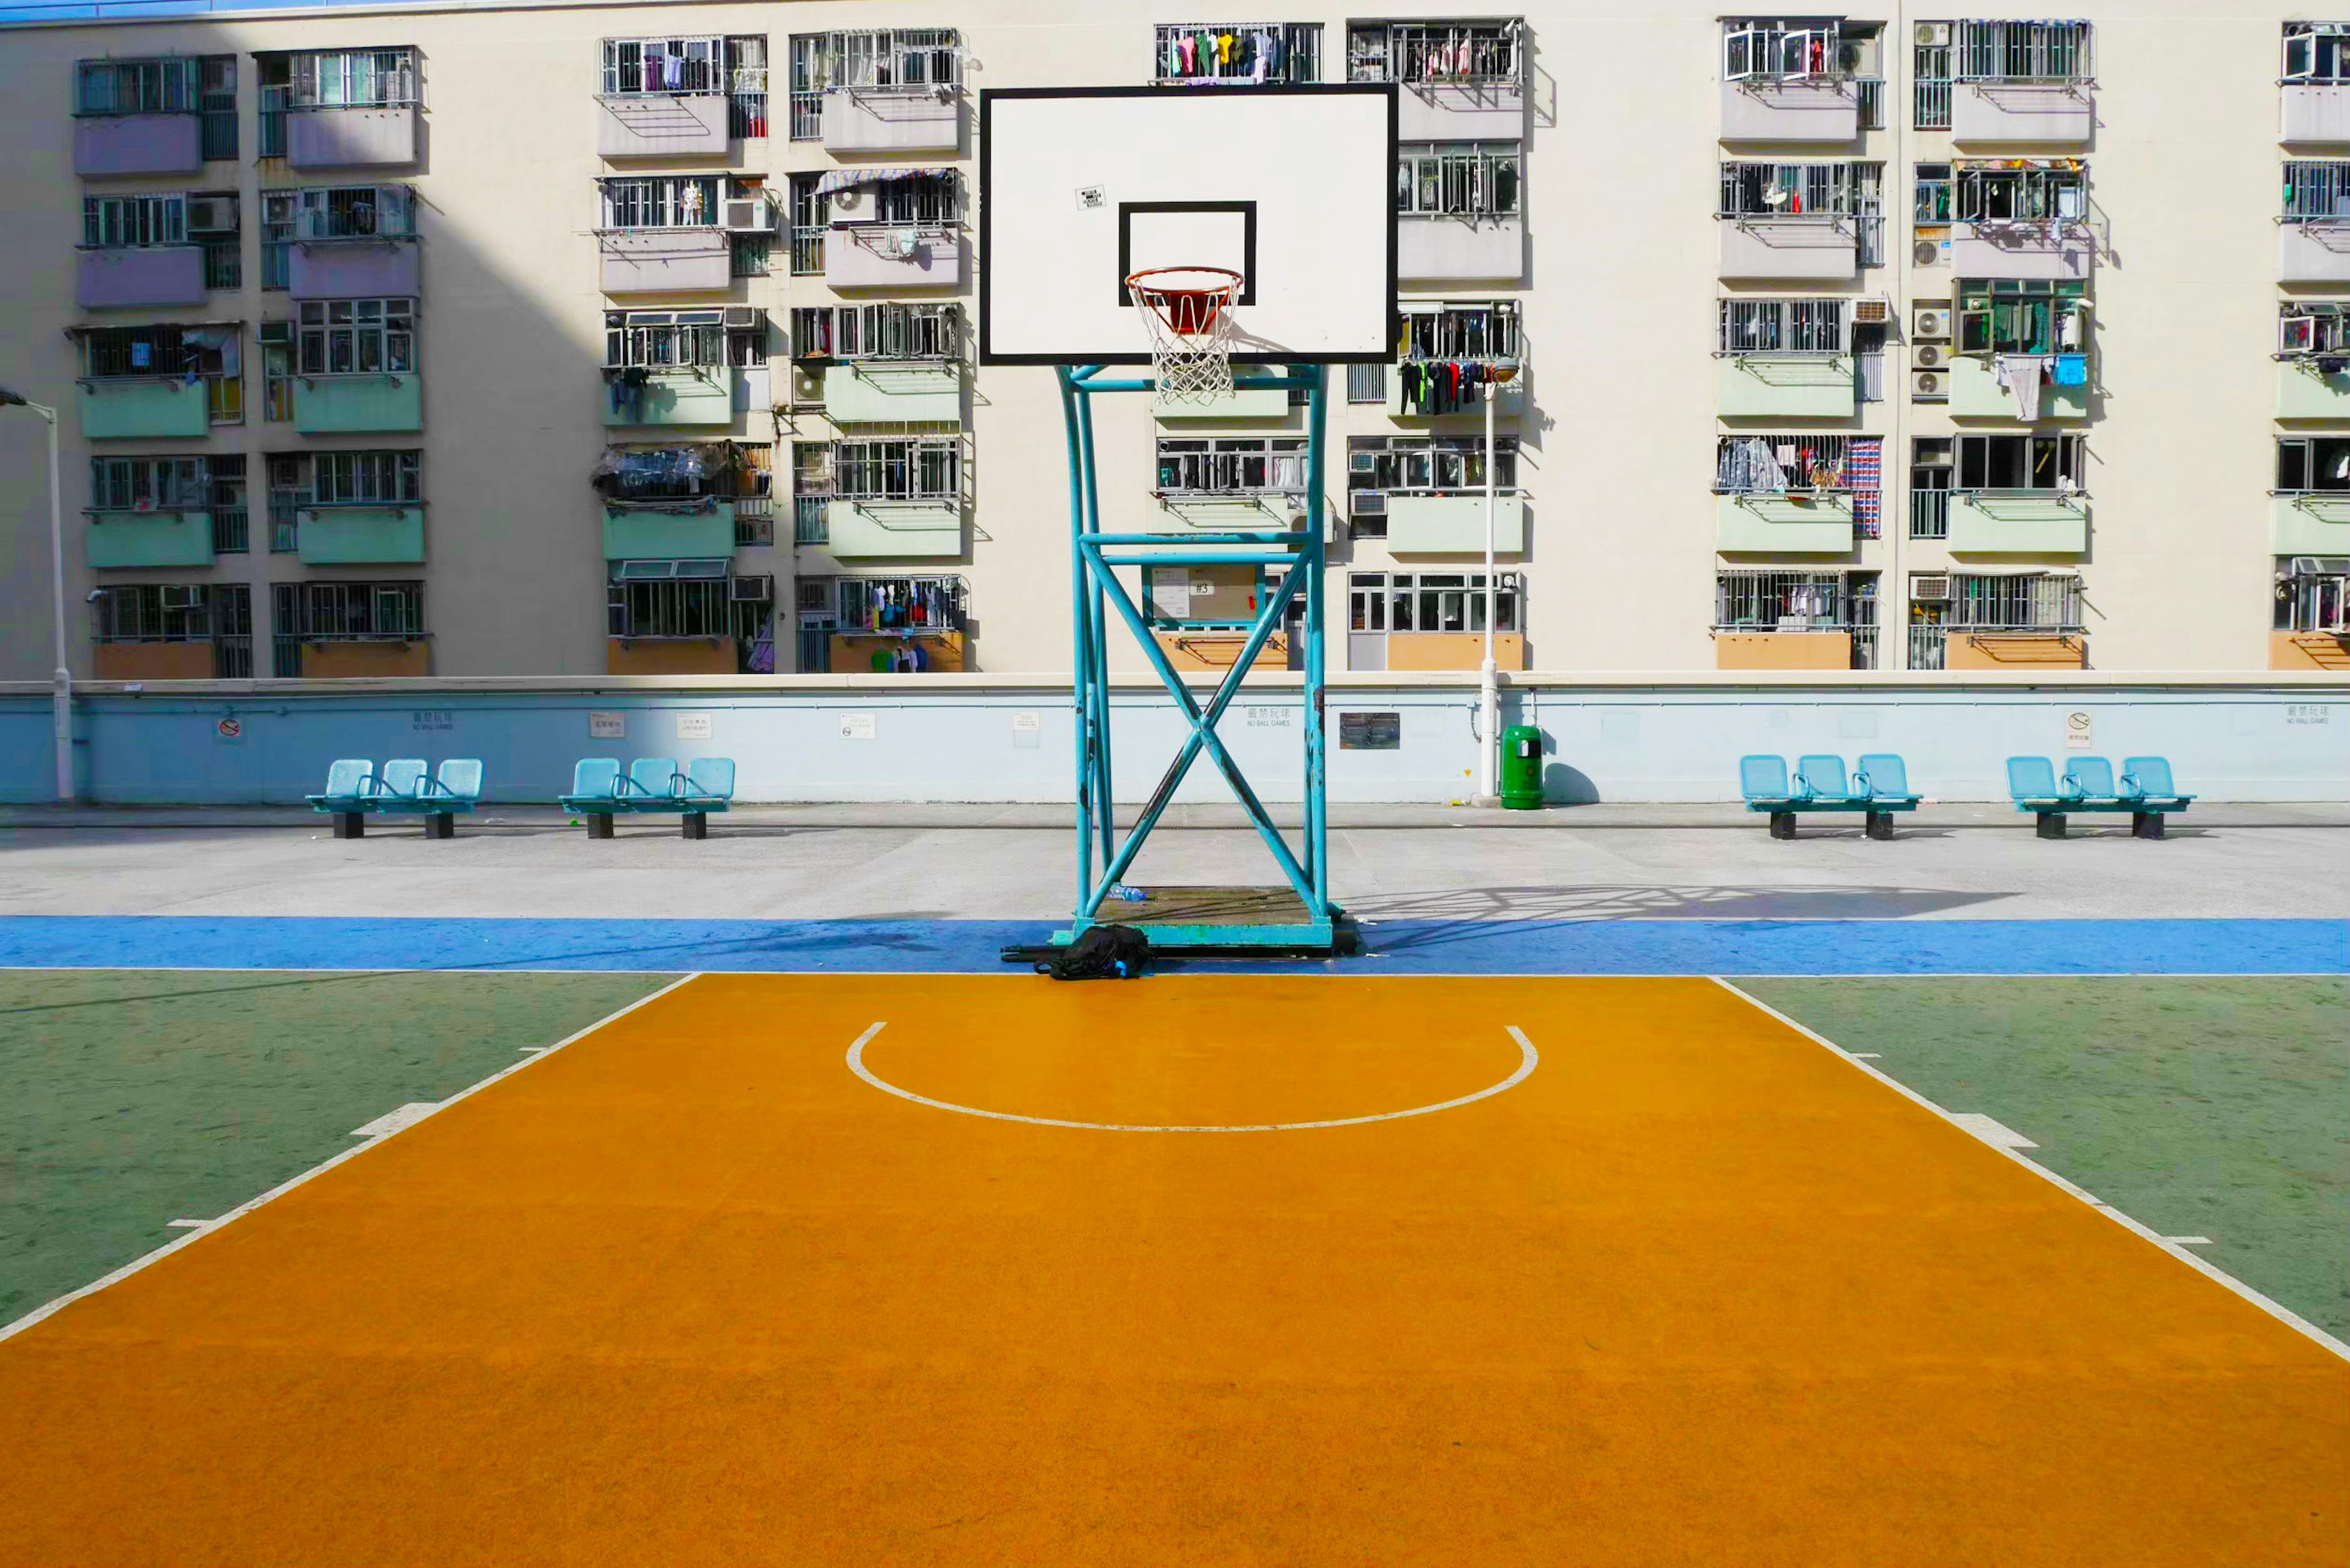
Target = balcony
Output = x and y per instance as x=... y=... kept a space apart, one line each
x=355 y=658
x=1785 y=386
x=2316 y=251
x=661 y=125
x=893 y=119
x=884 y=256
x=334 y=405
x=1460 y=250
x=383 y=268
x=160 y=538
x=2315 y=114
x=1783 y=525
x=1782 y=651
x=115 y=408
x=118 y=144
x=681 y=395
x=2059 y=250
x=1797 y=110
x=1228 y=512
x=1240 y=403
x=327 y=138
x=1509 y=400
x=2018 y=523
x=1979 y=648
x=1817 y=250
x=1454 y=525
x=683 y=261
x=886 y=391
x=157 y=275
x=2041 y=114
x=893 y=529
x=1976 y=394
x=671 y=656
x=201 y=658
x=668 y=530
x=358 y=535
x=2302 y=523
x=2305 y=391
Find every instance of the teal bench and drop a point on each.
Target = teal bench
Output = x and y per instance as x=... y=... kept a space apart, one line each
x=600 y=791
x=1880 y=786
x=2145 y=790
x=405 y=787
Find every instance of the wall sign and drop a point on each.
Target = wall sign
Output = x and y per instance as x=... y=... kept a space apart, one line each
x=1027 y=730
x=608 y=727
x=1370 y=732
x=434 y=719
x=857 y=726
x=693 y=726
x=230 y=729
x=1266 y=718
x=2077 y=732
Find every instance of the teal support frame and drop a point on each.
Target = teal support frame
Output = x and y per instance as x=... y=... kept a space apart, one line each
x=1098 y=597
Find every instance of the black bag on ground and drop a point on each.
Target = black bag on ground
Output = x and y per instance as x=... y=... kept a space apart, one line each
x=1100 y=952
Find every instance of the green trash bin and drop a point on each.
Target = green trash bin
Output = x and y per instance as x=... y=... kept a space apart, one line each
x=1522 y=765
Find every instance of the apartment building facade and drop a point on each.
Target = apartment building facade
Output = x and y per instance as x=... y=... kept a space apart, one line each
x=582 y=339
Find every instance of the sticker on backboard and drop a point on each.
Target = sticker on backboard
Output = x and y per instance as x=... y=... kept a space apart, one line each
x=1090 y=197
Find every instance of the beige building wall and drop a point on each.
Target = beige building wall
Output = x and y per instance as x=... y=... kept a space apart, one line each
x=1620 y=299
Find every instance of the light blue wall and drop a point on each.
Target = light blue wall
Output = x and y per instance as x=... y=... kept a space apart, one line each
x=1631 y=743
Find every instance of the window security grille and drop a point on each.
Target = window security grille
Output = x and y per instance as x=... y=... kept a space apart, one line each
x=890 y=331
x=1781 y=326
x=1930 y=461
x=1485 y=333
x=149 y=484
x=357 y=337
x=138 y=86
x=353 y=211
x=893 y=604
x=1768 y=601
x=1458 y=179
x=109 y=221
x=902 y=59
x=366 y=478
x=1263 y=465
x=1366 y=383
x=660 y=201
x=172 y=612
x=1929 y=75
x=1436 y=53
x=653 y=337
x=2316 y=188
x=2315 y=52
x=1236 y=53
x=893 y=198
x=694 y=606
x=2018 y=601
x=1772 y=464
x=349 y=612
x=1825 y=191
x=352 y=79
x=2005 y=51
x=1428 y=601
x=634 y=66
x=163 y=350
x=922 y=468
x=654 y=476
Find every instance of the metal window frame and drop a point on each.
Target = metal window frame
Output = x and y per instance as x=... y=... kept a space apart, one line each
x=1471 y=180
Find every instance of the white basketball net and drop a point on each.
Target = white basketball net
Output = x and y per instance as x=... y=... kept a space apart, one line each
x=1187 y=313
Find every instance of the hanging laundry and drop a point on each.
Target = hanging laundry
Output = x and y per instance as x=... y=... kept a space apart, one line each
x=2072 y=369
x=2021 y=376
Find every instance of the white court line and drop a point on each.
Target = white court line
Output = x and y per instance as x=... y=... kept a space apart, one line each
x=1528 y=1059
x=2277 y=1310
x=282 y=1189
x=186 y=1224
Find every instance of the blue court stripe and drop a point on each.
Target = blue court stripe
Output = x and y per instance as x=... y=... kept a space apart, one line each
x=962 y=947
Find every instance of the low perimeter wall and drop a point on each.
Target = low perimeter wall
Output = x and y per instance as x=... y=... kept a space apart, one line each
x=977 y=738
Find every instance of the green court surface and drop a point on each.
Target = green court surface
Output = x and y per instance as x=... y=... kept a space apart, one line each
x=130 y=1098
x=2198 y=1106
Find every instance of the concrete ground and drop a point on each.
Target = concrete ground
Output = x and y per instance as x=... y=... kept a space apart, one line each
x=1016 y=862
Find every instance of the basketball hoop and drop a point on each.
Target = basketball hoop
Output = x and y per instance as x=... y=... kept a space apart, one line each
x=1187 y=311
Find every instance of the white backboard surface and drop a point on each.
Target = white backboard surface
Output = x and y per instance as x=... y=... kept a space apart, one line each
x=1292 y=186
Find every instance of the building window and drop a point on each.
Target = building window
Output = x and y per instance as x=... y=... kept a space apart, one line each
x=1749 y=602
x=634 y=66
x=2316 y=189
x=2019 y=463
x=357 y=337
x=1852 y=466
x=112 y=222
x=2312 y=594
x=888 y=331
x=149 y=484
x=717 y=337
x=2315 y=52
x=2309 y=463
x=678 y=607
x=1236 y=54
x=2021 y=315
x=1932 y=461
x=344 y=78
x=897 y=59
x=1458 y=179
x=1448 y=53
x=1366 y=383
x=2005 y=51
x=659 y=202
x=1379 y=467
x=210 y=354
x=920 y=469
x=1929 y=77
x=349 y=612
x=1786 y=326
x=139 y=87
x=1933 y=200
x=1259 y=465
x=217 y=613
x=2320 y=329
x=2022 y=191
x=1484 y=332
x=1381 y=602
x=658 y=475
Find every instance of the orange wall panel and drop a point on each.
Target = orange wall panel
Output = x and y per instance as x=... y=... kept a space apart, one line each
x=1782 y=651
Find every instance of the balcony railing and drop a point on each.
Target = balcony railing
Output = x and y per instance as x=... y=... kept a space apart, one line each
x=808 y=519
x=224 y=264
x=807 y=251
x=231 y=535
x=1929 y=513
x=754 y=520
x=1931 y=110
x=1929 y=647
x=1870 y=95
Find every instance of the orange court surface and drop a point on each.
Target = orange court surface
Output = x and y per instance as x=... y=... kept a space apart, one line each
x=1652 y=1277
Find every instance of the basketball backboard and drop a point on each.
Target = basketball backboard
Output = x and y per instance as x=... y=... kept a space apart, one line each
x=1293 y=187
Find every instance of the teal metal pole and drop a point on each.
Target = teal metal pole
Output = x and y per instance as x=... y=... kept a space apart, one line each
x=1317 y=815
x=1080 y=654
x=1104 y=801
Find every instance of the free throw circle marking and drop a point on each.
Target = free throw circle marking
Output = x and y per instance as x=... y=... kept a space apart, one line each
x=1528 y=1060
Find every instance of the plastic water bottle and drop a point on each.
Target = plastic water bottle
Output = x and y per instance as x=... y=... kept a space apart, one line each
x=1130 y=895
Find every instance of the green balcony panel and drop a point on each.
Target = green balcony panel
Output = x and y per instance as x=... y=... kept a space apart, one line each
x=1453 y=524
x=354 y=536
x=894 y=528
x=686 y=396
x=1976 y=394
x=2302 y=393
x=2018 y=525
x=1783 y=525
x=645 y=533
x=2309 y=525
x=1785 y=386
x=143 y=406
x=879 y=392
x=1227 y=513
x=1508 y=403
x=333 y=405
x=1241 y=403
x=151 y=539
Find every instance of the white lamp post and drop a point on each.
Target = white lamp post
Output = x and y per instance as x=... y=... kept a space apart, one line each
x=61 y=677
x=1489 y=686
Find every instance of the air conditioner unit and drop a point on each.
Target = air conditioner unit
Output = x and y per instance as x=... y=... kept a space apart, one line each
x=1930 y=321
x=1870 y=309
x=1929 y=357
x=276 y=332
x=758 y=590
x=211 y=215
x=750 y=215
x=1928 y=386
x=1934 y=35
x=742 y=316
x=183 y=596
x=1926 y=253
x=1930 y=590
